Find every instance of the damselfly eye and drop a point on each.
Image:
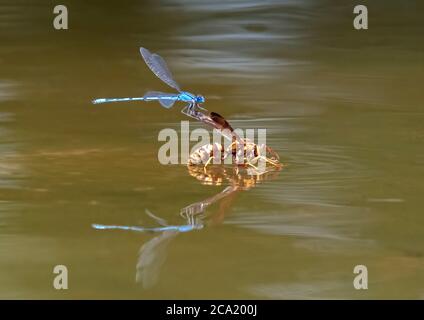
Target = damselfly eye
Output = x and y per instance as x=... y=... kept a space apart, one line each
x=200 y=99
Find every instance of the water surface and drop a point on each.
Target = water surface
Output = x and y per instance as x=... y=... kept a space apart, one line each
x=342 y=107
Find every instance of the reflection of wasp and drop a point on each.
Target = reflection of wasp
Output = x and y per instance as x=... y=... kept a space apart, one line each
x=217 y=176
x=238 y=180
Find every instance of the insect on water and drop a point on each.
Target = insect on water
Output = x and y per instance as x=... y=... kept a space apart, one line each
x=246 y=154
x=243 y=152
x=158 y=66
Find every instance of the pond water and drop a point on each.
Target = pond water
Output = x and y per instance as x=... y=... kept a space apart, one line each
x=343 y=108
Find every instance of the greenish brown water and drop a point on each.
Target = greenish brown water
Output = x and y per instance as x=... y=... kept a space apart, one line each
x=343 y=108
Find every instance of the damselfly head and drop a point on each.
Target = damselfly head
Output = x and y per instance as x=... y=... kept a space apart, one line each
x=200 y=99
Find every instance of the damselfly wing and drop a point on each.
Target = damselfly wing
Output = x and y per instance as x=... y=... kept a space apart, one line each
x=158 y=66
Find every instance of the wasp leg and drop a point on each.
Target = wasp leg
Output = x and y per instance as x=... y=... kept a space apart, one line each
x=274 y=163
x=249 y=163
x=255 y=159
x=207 y=163
x=255 y=168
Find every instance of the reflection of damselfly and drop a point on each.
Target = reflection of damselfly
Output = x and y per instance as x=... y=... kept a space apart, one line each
x=153 y=253
x=158 y=66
